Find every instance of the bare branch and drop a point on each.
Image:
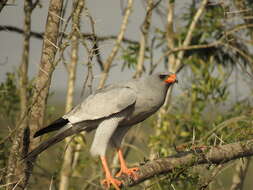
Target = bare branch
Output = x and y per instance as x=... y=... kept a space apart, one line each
x=170 y=34
x=187 y=41
x=2 y=4
x=43 y=80
x=143 y=39
x=66 y=170
x=94 y=39
x=211 y=155
x=116 y=47
x=89 y=36
x=241 y=169
x=19 y=147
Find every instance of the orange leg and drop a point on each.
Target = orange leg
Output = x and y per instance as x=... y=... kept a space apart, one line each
x=108 y=177
x=123 y=167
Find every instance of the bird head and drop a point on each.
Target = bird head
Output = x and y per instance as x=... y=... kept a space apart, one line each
x=168 y=78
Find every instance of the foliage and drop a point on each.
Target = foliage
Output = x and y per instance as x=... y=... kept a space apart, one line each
x=9 y=98
x=9 y=108
x=130 y=57
x=203 y=114
x=194 y=114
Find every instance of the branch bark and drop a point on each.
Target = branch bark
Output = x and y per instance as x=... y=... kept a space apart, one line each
x=66 y=170
x=241 y=170
x=47 y=66
x=2 y=4
x=15 y=171
x=143 y=39
x=43 y=80
x=211 y=155
x=109 y=60
x=188 y=38
x=89 y=36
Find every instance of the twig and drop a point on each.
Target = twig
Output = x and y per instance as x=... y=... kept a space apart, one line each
x=94 y=40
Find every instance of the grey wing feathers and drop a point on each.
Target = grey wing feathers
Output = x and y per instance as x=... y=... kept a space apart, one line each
x=102 y=104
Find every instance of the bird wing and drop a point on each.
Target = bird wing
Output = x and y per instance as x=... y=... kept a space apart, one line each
x=102 y=104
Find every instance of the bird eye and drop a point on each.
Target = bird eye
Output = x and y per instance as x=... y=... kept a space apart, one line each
x=162 y=77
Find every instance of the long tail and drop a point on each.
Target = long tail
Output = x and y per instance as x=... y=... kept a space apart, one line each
x=63 y=133
x=57 y=124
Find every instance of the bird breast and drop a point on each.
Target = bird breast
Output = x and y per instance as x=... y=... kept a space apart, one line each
x=144 y=107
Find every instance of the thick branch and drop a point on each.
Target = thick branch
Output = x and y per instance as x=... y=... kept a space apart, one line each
x=212 y=155
x=47 y=66
x=17 y=171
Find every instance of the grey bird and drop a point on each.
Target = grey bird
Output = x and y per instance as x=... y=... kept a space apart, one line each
x=111 y=111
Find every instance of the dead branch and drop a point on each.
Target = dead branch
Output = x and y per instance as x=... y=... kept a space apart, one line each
x=67 y=170
x=189 y=34
x=143 y=39
x=170 y=34
x=116 y=47
x=20 y=147
x=241 y=170
x=89 y=36
x=95 y=41
x=46 y=68
x=3 y=3
x=211 y=155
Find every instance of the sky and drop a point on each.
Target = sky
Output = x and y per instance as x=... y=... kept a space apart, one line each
x=108 y=17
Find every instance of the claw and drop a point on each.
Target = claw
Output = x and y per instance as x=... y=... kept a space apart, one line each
x=129 y=172
x=108 y=181
x=200 y=147
x=124 y=170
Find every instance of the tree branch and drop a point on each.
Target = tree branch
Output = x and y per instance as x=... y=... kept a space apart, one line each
x=211 y=155
x=143 y=39
x=241 y=169
x=89 y=36
x=116 y=47
x=66 y=168
x=188 y=38
x=2 y=4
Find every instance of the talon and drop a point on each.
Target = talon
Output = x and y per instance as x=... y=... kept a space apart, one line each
x=201 y=147
x=129 y=172
x=111 y=181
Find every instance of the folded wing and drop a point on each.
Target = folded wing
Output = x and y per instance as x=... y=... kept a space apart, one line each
x=102 y=104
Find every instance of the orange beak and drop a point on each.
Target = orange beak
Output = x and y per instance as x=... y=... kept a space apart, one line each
x=171 y=79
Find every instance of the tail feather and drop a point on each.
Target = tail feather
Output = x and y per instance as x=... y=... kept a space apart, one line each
x=57 y=124
x=70 y=130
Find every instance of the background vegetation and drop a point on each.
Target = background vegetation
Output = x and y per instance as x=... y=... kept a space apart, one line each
x=207 y=43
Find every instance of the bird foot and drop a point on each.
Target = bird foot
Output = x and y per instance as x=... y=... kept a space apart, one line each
x=129 y=172
x=198 y=147
x=108 y=181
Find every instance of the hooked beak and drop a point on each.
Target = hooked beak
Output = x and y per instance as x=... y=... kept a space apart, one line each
x=171 y=79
